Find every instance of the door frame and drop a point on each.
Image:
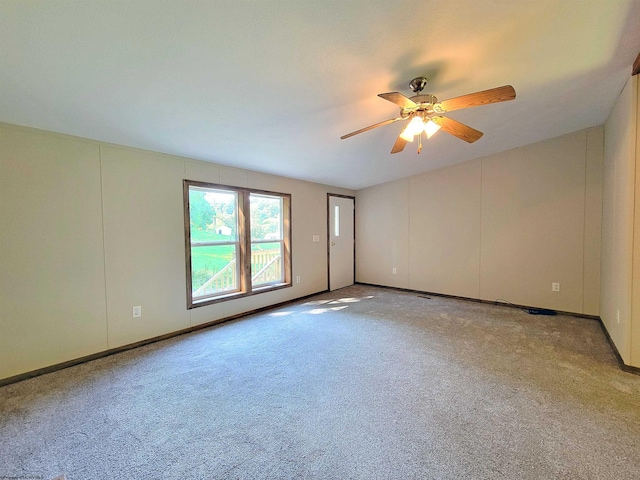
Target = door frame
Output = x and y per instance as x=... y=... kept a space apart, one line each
x=329 y=195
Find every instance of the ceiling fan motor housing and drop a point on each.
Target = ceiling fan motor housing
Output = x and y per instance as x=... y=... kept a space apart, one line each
x=426 y=105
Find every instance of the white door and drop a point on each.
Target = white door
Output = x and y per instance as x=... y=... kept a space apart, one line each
x=341 y=242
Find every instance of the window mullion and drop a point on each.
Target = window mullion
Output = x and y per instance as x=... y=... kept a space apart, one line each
x=244 y=237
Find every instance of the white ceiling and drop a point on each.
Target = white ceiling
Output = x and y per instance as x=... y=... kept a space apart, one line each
x=271 y=85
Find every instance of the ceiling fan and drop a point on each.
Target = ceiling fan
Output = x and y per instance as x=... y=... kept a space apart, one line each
x=424 y=113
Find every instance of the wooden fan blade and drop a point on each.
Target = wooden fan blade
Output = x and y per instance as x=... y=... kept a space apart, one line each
x=399 y=99
x=370 y=127
x=399 y=145
x=457 y=129
x=494 y=95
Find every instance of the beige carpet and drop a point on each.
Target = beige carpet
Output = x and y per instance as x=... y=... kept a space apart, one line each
x=362 y=383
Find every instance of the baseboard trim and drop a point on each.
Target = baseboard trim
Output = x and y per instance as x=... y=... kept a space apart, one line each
x=478 y=300
x=88 y=358
x=623 y=366
x=112 y=351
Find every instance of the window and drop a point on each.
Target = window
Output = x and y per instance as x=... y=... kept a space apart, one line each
x=237 y=242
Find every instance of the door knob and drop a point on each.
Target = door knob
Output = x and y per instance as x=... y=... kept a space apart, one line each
x=333 y=244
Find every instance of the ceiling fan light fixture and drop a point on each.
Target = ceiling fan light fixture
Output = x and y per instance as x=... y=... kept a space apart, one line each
x=430 y=128
x=423 y=113
x=413 y=128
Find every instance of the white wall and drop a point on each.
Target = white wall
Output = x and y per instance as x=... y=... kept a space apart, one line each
x=444 y=232
x=382 y=214
x=52 y=284
x=635 y=277
x=503 y=226
x=618 y=274
x=91 y=229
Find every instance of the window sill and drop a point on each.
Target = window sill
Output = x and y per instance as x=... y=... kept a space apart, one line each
x=237 y=295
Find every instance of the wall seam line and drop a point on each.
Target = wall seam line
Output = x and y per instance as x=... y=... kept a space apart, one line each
x=409 y=232
x=104 y=244
x=584 y=218
x=633 y=223
x=480 y=232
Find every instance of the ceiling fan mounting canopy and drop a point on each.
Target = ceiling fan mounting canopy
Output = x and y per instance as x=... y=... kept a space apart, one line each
x=418 y=84
x=429 y=110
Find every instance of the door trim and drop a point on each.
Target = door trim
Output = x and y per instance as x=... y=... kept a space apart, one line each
x=329 y=195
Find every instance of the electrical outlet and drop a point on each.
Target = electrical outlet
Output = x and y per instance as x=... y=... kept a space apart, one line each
x=393 y=270
x=298 y=279
x=316 y=238
x=555 y=287
x=137 y=311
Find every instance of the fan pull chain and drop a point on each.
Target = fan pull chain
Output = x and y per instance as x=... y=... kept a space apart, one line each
x=419 y=142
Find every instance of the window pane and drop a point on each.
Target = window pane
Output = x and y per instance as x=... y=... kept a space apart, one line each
x=266 y=263
x=266 y=217
x=213 y=269
x=212 y=215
